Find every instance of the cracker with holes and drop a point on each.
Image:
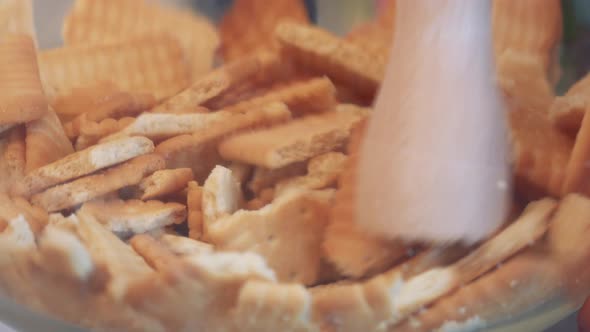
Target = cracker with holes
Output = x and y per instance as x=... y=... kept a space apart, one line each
x=296 y=220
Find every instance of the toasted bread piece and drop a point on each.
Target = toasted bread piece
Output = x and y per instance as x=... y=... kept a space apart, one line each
x=199 y=151
x=125 y=218
x=319 y=51
x=249 y=25
x=165 y=182
x=21 y=93
x=103 y=21
x=87 y=188
x=151 y=64
x=46 y=142
x=259 y=66
x=293 y=142
x=295 y=220
x=82 y=163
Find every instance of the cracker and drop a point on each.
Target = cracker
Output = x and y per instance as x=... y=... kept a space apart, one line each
x=267 y=178
x=165 y=182
x=123 y=264
x=258 y=66
x=296 y=220
x=426 y=287
x=15 y=211
x=103 y=21
x=540 y=153
x=524 y=81
x=199 y=151
x=519 y=285
x=12 y=158
x=241 y=172
x=100 y=100
x=126 y=218
x=323 y=53
x=87 y=188
x=352 y=251
x=194 y=204
x=221 y=196
x=577 y=167
x=155 y=254
x=302 y=97
x=21 y=93
x=91 y=132
x=568 y=111
x=264 y=198
x=145 y=65
x=375 y=38
x=322 y=172
x=46 y=141
x=183 y=246
x=296 y=141
x=248 y=26
x=82 y=163
x=265 y=306
x=16 y=16
x=527 y=27
x=157 y=126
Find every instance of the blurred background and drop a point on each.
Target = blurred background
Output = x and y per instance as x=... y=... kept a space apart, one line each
x=335 y=15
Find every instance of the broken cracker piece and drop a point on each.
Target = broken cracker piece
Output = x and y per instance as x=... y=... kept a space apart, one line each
x=221 y=80
x=311 y=96
x=199 y=151
x=267 y=178
x=165 y=182
x=87 y=188
x=323 y=53
x=155 y=254
x=158 y=126
x=296 y=141
x=82 y=163
x=21 y=94
x=322 y=172
x=222 y=197
x=183 y=246
x=46 y=141
x=152 y=64
x=12 y=158
x=126 y=218
x=91 y=132
x=194 y=204
x=295 y=220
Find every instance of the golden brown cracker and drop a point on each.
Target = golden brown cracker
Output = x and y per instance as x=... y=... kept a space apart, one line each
x=154 y=253
x=21 y=93
x=259 y=66
x=567 y=113
x=265 y=197
x=126 y=218
x=184 y=246
x=272 y=307
x=82 y=163
x=375 y=38
x=528 y=27
x=194 y=204
x=577 y=167
x=199 y=151
x=158 y=126
x=322 y=172
x=87 y=188
x=293 y=142
x=91 y=132
x=99 y=22
x=12 y=158
x=267 y=178
x=46 y=141
x=222 y=196
x=302 y=97
x=321 y=52
x=165 y=182
x=145 y=65
x=16 y=16
x=295 y=220
x=540 y=153
x=248 y=26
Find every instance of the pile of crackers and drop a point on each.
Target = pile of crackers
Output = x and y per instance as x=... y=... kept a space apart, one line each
x=162 y=173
